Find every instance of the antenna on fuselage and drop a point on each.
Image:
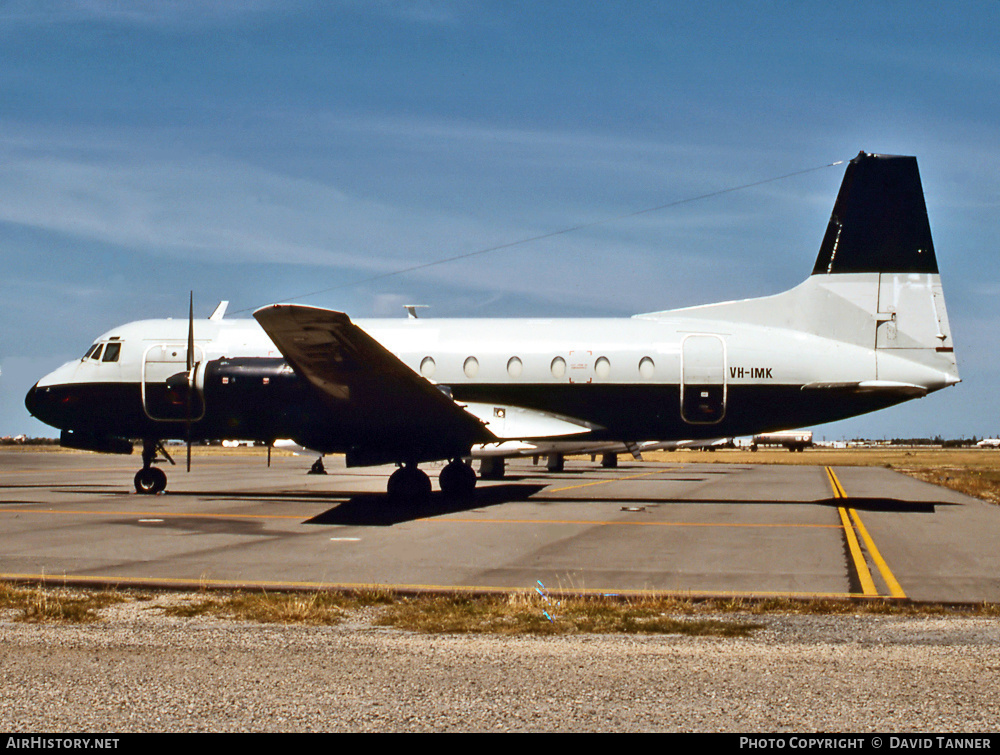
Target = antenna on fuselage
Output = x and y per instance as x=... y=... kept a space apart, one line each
x=220 y=311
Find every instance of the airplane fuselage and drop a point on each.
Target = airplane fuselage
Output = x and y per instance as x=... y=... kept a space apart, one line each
x=626 y=379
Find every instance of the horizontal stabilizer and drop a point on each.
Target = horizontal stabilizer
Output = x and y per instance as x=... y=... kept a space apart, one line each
x=515 y=422
x=880 y=387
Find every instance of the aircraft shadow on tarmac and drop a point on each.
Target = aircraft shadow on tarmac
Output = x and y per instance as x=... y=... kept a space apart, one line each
x=885 y=504
x=372 y=509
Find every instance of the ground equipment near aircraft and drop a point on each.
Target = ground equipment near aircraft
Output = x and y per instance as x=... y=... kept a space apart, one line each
x=868 y=329
x=793 y=440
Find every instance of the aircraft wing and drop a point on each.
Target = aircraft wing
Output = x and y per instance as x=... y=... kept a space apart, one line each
x=394 y=413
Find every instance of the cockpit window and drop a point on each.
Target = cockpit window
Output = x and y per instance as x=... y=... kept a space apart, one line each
x=111 y=353
x=91 y=350
x=96 y=353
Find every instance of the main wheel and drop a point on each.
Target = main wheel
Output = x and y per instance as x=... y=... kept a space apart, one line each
x=409 y=486
x=457 y=480
x=150 y=480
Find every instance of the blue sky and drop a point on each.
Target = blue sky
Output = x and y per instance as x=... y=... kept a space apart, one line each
x=259 y=151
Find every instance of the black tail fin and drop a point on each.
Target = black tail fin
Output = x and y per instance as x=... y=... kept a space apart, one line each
x=879 y=223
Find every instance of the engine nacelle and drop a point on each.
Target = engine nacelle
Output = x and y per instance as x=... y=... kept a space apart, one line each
x=256 y=398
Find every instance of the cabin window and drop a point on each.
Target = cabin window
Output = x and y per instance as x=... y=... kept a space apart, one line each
x=558 y=367
x=427 y=367
x=111 y=353
x=602 y=368
x=514 y=367
x=646 y=368
x=471 y=367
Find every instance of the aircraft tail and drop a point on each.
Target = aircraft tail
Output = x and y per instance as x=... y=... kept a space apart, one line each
x=875 y=283
x=879 y=223
x=877 y=258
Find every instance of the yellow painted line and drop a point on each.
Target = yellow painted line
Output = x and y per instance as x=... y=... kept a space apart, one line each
x=895 y=589
x=838 y=489
x=605 y=482
x=864 y=575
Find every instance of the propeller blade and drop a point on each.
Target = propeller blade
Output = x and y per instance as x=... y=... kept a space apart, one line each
x=190 y=354
x=190 y=378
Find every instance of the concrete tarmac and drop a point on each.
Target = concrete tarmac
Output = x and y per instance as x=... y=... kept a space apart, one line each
x=695 y=529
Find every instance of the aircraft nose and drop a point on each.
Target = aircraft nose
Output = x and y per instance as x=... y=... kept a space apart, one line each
x=31 y=400
x=42 y=406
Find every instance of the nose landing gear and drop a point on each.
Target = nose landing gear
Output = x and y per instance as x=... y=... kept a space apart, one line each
x=151 y=480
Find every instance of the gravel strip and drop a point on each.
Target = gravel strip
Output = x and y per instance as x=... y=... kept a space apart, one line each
x=141 y=671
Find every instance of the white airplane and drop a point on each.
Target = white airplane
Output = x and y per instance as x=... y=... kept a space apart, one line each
x=866 y=330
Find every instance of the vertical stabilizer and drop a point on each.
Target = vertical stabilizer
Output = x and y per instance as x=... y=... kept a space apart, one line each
x=879 y=223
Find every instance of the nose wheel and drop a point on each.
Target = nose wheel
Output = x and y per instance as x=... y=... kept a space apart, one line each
x=150 y=480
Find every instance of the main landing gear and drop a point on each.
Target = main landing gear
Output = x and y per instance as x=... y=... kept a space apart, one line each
x=457 y=480
x=151 y=480
x=410 y=486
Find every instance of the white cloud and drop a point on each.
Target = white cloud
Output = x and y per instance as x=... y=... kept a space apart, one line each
x=135 y=12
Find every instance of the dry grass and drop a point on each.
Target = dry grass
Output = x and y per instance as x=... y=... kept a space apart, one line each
x=973 y=471
x=529 y=613
x=514 y=614
x=313 y=608
x=55 y=605
x=830 y=607
x=517 y=613
x=979 y=483
x=847 y=457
